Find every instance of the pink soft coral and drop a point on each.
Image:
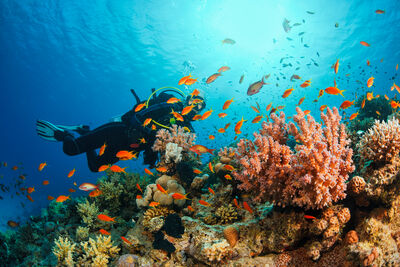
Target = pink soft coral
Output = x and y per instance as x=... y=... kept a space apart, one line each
x=311 y=177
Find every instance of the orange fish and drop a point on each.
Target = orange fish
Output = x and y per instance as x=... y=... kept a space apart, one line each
x=190 y=81
x=222 y=115
x=22 y=177
x=255 y=109
x=102 y=149
x=346 y=104
x=365 y=44
x=239 y=125
x=211 y=191
x=227 y=104
x=210 y=166
x=173 y=100
x=126 y=240
x=309 y=217
x=177 y=115
x=353 y=116
x=204 y=203
x=287 y=92
x=159 y=187
x=221 y=130
x=199 y=149
x=140 y=107
x=223 y=68
x=368 y=63
x=197 y=171
x=118 y=169
x=301 y=100
x=370 y=96
x=269 y=106
x=190 y=208
x=14 y=168
x=105 y=218
x=305 y=84
x=206 y=114
x=229 y=167
x=186 y=110
x=196 y=117
x=336 y=66
x=321 y=93
x=183 y=79
x=179 y=196
x=306 y=112
x=41 y=166
x=45 y=182
x=195 y=93
x=227 y=125
x=236 y=203
x=30 y=198
x=95 y=193
x=12 y=224
x=139 y=197
x=50 y=198
x=87 y=187
x=103 y=168
x=71 y=190
x=323 y=107
x=162 y=169
x=396 y=87
x=148 y=172
x=257 y=119
x=62 y=198
x=370 y=82
x=104 y=232
x=228 y=177
x=377 y=112
x=363 y=103
x=393 y=104
x=241 y=79
x=334 y=91
x=213 y=77
x=146 y=122
x=154 y=204
x=211 y=137
x=379 y=11
x=30 y=190
x=247 y=207
x=71 y=173
x=196 y=101
x=139 y=188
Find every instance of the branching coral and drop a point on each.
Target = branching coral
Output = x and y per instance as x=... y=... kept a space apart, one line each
x=176 y=135
x=313 y=176
x=82 y=233
x=64 y=250
x=88 y=212
x=381 y=143
x=98 y=252
x=227 y=214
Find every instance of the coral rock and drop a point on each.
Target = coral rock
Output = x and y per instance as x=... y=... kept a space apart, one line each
x=231 y=234
x=356 y=185
x=351 y=237
x=128 y=260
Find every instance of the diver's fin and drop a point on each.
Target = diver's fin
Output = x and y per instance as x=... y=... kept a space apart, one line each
x=47 y=130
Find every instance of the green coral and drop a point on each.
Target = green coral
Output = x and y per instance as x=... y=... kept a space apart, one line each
x=64 y=250
x=88 y=212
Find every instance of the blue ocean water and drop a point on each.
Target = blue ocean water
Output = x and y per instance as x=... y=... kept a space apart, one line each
x=73 y=62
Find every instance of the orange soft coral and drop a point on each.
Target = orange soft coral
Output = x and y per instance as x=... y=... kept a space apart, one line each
x=313 y=176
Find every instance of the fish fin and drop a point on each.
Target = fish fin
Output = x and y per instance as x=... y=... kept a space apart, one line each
x=341 y=92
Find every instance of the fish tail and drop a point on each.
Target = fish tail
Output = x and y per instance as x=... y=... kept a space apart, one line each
x=211 y=151
x=341 y=92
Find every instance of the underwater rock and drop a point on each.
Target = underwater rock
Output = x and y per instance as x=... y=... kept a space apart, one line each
x=128 y=260
x=198 y=182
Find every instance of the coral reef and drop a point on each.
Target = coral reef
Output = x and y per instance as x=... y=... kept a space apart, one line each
x=226 y=214
x=176 y=135
x=88 y=212
x=156 y=212
x=313 y=176
x=173 y=153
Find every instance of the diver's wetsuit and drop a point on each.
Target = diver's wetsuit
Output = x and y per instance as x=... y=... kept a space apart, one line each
x=121 y=135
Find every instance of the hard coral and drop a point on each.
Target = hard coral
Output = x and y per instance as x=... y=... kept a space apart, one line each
x=64 y=250
x=381 y=143
x=313 y=176
x=158 y=211
x=226 y=214
x=98 y=252
x=176 y=135
x=88 y=212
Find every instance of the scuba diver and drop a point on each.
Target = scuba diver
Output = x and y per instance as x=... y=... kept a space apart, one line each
x=127 y=132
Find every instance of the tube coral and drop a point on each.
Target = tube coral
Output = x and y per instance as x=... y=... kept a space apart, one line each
x=313 y=176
